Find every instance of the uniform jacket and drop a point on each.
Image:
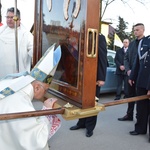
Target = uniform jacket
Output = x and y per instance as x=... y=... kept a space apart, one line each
x=141 y=67
x=119 y=60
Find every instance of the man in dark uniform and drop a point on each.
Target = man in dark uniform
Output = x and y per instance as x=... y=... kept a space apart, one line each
x=141 y=74
x=128 y=62
x=90 y=122
x=120 y=70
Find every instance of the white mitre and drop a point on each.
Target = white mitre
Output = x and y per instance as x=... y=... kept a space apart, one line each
x=43 y=71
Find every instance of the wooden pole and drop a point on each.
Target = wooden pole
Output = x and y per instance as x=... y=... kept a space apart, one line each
x=126 y=100
x=16 y=36
x=61 y=110
x=32 y=113
x=0 y=12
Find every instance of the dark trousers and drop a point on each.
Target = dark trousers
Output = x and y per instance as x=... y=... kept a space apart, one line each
x=89 y=123
x=98 y=91
x=131 y=93
x=143 y=113
x=122 y=79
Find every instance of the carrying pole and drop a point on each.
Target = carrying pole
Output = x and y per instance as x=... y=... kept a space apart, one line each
x=0 y=12
x=32 y=114
x=16 y=36
x=126 y=100
x=61 y=110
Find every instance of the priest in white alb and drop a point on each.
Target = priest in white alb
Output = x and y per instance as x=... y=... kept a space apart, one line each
x=12 y=44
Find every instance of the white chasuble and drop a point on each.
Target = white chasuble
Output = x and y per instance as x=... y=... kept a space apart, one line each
x=24 y=133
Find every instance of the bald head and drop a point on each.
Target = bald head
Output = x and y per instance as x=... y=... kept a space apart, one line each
x=40 y=89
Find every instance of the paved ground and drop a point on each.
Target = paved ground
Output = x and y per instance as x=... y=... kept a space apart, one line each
x=109 y=134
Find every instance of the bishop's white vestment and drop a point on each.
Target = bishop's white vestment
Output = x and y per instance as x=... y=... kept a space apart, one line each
x=25 y=133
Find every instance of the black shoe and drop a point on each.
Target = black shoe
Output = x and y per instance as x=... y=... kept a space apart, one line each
x=117 y=98
x=134 y=133
x=89 y=133
x=76 y=127
x=126 y=118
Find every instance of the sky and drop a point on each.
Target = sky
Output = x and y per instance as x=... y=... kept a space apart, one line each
x=133 y=13
x=27 y=11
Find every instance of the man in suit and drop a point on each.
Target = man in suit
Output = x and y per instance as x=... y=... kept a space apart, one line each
x=141 y=74
x=128 y=62
x=90 y=122
x=120 y=70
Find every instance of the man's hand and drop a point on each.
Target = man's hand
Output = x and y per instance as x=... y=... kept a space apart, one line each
x=128 y=72
x=100 y=83
x=49 y=103
x=122 y=68
x=131 y=82
x=148 y=93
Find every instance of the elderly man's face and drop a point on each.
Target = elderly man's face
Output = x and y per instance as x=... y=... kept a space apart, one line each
x=40 y=89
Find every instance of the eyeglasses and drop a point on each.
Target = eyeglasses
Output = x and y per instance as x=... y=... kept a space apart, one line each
x=9 y=17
